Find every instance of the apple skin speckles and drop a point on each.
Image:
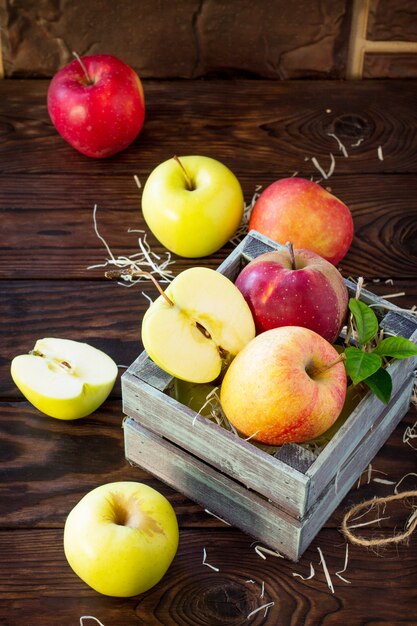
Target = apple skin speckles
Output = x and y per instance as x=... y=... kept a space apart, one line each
x=299 y=210
x=275 y=391
x=313 y=296
x=101 y=117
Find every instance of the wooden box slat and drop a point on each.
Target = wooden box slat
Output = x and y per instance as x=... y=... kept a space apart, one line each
x=213 y=490
x=361 y=420
x=244 y=508
x=357 y=462
x=230 y=454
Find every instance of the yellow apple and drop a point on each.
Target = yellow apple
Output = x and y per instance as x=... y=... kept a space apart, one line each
x=287 y=385
x=64 y=379
x=193 y=205
x=202 y=320
x=121 y=538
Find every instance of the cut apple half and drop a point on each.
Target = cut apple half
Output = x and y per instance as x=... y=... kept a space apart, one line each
x=64 y=379
x=206 y=321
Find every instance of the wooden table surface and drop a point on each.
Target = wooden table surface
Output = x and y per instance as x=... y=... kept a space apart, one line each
x=263 y=131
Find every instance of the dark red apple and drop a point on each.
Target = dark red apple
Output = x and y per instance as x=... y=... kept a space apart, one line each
x=97 y=105
x=295 y=288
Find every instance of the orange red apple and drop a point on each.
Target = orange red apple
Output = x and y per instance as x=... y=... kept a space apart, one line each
x=286 y=385
x=301 y=211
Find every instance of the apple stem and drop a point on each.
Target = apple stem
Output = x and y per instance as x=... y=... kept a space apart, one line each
x=186 y=176
x=324 y=368
x=292 y=257
x=89 y=79
x=133 y=273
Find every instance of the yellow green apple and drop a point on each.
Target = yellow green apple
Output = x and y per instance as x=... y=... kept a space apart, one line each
x=64 y=379
x=301 y=211
x=201 y=320
x=121 y=538
x=192 y=204
x=287 y=385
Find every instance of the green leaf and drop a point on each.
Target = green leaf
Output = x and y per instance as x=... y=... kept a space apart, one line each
x=366 y=321
x=396 y=347
x=361 y=365
x=381 y=385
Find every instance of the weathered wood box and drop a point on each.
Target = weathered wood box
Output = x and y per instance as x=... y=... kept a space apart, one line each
x=284 y=499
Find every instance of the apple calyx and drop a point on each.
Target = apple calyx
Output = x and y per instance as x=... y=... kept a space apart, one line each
x=128 y=512
x=292 y=257
x=53 y=362
x=90 y=81
x=188 y=180
x=314 y=371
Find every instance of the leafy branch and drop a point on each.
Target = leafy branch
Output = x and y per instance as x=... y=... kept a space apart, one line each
x=366 y=362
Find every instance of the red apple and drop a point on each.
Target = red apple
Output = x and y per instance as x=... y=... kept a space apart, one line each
x=295 y=288
x=301 y=211
x=97 y=105
x=286 y=385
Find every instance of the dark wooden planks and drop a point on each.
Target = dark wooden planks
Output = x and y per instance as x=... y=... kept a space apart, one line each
x=47 y=465
x=100 y=313
x=48 y=232
x=40 y=588
x=264 y=127
x=263 y=131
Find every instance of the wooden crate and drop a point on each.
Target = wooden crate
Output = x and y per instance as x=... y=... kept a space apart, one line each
x=284 y=499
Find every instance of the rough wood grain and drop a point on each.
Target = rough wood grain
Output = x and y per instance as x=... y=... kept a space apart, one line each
x=50 y=218
x=352 y=469
x=39 y=483
x=47 y=465
x=40 y=589
x=226 y=118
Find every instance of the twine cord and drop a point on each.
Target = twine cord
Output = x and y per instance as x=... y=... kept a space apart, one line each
x=410 y=525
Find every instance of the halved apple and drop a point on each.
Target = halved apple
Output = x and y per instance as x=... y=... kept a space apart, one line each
x=64 y=379
x=203 y=321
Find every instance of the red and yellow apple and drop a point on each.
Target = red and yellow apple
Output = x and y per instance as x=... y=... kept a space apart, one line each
x=287 y=385
x=294 y=288
x=301 y=211
x=192 y=204
x=97 y=105
x=121 y=538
